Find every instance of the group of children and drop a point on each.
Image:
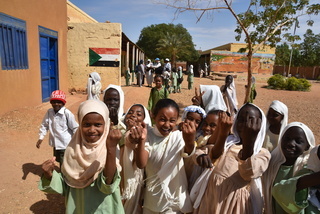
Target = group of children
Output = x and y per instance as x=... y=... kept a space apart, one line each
x=216 y=159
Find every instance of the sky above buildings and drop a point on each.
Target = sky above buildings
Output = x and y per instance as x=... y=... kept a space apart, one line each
x=213 y=29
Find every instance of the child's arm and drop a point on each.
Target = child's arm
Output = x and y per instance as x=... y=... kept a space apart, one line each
x=222 y=132
x=110 y=168
x=71 y=120
x=43 y=129
x=113 y=115
x=138 y=135
x=189 y=134
x=197 y=99
x=308 y=181
x=48 y=167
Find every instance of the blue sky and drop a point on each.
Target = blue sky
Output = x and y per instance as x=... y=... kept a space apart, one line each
x=212 y=30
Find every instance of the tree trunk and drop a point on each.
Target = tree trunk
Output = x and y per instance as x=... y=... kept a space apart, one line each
x=249 y=80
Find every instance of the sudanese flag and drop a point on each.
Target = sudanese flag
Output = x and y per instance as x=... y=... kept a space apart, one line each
x=108 y=57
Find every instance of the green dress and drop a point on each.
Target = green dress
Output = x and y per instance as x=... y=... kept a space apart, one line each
x=99 y=197
x=155 y=96
x=285 y=198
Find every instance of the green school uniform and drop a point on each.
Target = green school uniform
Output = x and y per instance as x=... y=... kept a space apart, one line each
x=155 y=96
x=285 y=198
x=98 y=197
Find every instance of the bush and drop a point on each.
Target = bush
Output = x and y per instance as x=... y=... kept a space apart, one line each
x=294 y=84
x=277 y=81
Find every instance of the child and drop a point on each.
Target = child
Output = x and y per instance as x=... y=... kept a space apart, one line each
x=314 y=192
x=234 y=185
x=128 y=77
x=209 y=98
x=94 y=86
x=158 y=92
x=174 y=79
x=229 y=94
x=194 y=114
x=61 y=124
x=132 y=175
x=90 y=173
x=277 y=119
x=161 y=150
x=190 y=77
x=287 y=163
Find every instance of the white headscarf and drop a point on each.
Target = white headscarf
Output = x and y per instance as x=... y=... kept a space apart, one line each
x=95 y=77
x=212 y=98
x=278 y=158
x=121 y=96
x=281 y=108
x=193 y=108
x=84 y=161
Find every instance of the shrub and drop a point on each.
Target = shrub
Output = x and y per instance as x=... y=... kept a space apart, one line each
x=277 y=81
x=294 y=84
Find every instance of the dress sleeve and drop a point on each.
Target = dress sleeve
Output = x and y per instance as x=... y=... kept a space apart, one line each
x=44 y=127
x=56 y=185
x=150 y=101
x=108 y=188
x=254 y=166
x=286 y=196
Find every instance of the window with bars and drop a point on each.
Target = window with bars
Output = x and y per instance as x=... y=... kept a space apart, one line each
x=13 y=43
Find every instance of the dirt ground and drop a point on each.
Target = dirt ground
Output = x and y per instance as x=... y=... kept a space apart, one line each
x=20 y=165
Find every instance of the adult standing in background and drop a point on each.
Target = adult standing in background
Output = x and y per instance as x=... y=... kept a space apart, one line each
x=157 y=66
x=94 y=86
x=149 y=73
x=167 y=65
x=180 y=79
x=140 y=72
x=190 y=77
x=206 y=68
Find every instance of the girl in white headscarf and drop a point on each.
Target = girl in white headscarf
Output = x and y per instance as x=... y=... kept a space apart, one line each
x=90 y=171
x=209 y=98
x=132 y=175
x=94 y=86
x=288 y=161
x=277 y=119
x=234 y=185
x=230 y=95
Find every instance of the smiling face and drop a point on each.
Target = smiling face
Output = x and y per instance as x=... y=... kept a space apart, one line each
x=158 y=81
x=166 y=120
x=112 y=99
x=56 y=105
x=92 y=127
x=210 y=124
x=293 y=144
x=194 y=117
x=136 y=114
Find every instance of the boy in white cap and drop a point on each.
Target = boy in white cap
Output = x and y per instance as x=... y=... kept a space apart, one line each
x=61 y=124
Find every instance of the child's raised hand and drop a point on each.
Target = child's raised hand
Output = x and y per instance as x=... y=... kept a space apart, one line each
x=197 y=99
x=188 y=130
x=114 y=137
x=48 y=167
x=251 y=127
x=130 y=123
x=138 y=133
x=225 y=122
x=113 y=115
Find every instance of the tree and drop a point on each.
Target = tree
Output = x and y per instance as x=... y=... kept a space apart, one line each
x=310 y=49
x=263 y=23
x=282 y=55
x=168 y=41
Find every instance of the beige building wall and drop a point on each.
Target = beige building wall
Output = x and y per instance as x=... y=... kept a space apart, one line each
x=81 y=37
x=23 y=87
x=76 y=15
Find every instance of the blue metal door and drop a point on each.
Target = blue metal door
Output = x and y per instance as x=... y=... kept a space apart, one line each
x=48 y=62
